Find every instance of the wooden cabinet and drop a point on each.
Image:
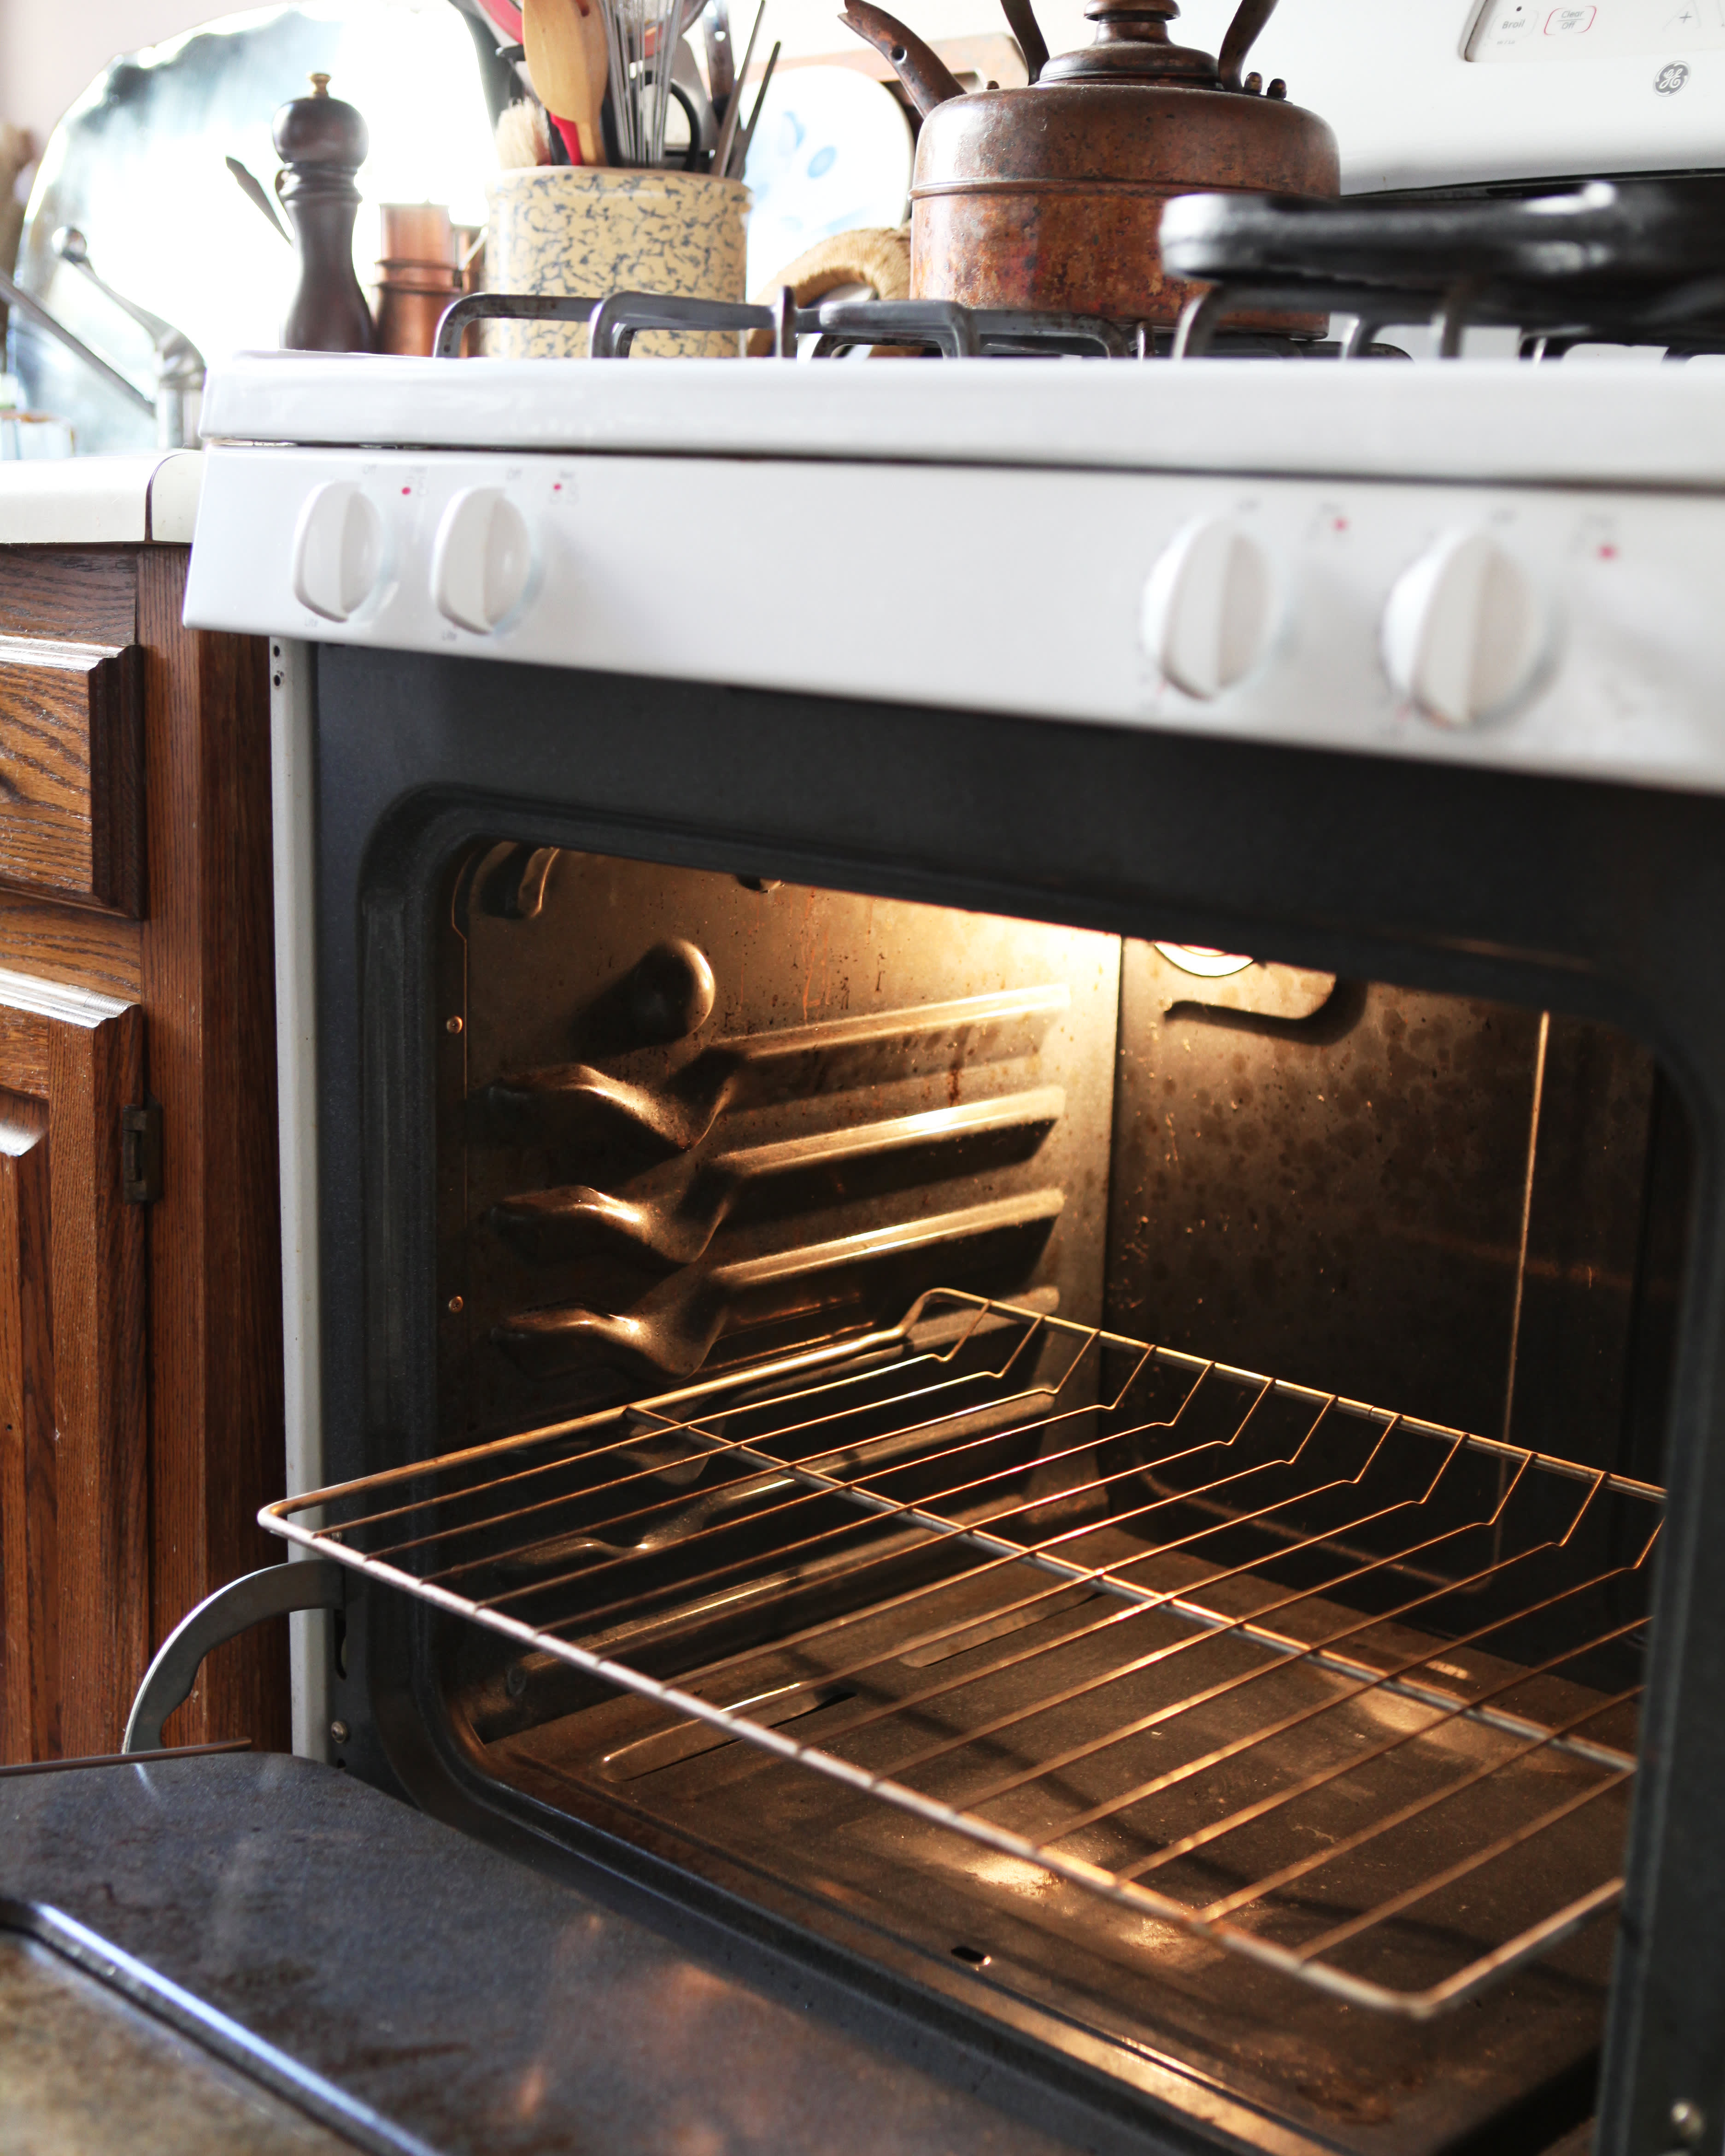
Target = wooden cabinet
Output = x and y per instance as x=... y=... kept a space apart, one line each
x=139 y=1299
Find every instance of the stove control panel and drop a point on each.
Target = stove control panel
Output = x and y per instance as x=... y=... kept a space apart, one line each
x=481 y=559
x=1568 y=629
x=1210 y=607
x=338 y=550
x=1465 y=634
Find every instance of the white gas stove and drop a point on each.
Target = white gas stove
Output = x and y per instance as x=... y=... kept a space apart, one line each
x=1488 y=563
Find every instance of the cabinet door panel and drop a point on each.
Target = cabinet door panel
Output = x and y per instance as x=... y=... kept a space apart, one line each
x=70 y=732
x=73 y=1551
x=29 y=1687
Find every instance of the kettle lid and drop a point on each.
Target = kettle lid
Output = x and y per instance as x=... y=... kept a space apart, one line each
x=1132 y=45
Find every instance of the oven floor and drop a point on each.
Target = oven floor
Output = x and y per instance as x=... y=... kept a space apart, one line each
x=1358 y=2079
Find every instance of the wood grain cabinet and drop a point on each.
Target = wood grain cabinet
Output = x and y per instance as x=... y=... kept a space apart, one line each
x=140 y=1297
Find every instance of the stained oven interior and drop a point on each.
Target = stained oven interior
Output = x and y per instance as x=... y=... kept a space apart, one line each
x=1122 y=1477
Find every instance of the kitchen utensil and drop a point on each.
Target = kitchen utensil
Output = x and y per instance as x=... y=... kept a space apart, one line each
x=727 y=134
x=1051 y=196
x=739 y=155
x=641 y=37
x=721 y=57
x=688 y=91
x=523 y=134
x=927 y=79
x=323 y=143
x=560 y=60
x=253 y=188
x=595 y=31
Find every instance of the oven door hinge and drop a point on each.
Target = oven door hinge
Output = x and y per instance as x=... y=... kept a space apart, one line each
x=141 y=1153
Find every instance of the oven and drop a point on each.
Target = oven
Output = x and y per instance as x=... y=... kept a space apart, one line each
x=1052 y=1342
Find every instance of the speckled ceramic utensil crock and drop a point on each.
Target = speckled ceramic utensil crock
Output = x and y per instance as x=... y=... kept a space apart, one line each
x=600 y=229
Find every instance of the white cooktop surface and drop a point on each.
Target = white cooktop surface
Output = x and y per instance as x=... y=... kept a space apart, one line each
x=1604 y=423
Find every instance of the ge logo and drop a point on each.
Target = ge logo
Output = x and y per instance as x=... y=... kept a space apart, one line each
x=1670 y=79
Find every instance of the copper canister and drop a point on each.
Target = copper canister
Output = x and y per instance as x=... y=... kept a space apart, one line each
x=418 y=275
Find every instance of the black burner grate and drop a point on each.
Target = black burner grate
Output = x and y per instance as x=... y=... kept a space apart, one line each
x=838 y=325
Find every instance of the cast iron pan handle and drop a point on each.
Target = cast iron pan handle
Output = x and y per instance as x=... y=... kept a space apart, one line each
x=1249 y=19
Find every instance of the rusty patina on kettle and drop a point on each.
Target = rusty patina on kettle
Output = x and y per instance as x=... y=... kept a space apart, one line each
x=1051 y=196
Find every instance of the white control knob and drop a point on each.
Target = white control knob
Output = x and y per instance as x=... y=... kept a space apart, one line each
x=338 y=550
x=481 y=559
x=1210 y=607
x=1465 y=631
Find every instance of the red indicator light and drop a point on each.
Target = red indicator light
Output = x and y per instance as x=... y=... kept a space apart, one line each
x=406 y=490
x=1608 y=553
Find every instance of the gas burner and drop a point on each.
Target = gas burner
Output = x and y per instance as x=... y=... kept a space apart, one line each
x=1640 y=262
x=930 y=325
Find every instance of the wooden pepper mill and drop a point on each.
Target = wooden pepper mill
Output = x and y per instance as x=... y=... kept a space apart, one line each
x=323 y=143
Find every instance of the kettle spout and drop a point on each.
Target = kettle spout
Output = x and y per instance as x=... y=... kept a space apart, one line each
x=927 y=79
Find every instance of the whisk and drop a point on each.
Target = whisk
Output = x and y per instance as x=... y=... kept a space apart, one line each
x=641 y=41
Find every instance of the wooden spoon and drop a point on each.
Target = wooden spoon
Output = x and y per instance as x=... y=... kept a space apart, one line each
x=591 y=13
x=560 y=59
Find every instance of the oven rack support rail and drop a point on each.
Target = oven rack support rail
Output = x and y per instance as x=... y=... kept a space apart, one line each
x=1474 y=1539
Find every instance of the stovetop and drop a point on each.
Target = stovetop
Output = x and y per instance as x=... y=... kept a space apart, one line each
x=1614 y=422
x=1492 y=562
x=1631 y=262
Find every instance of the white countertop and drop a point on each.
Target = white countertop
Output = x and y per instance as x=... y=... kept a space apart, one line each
x=1609 y=423
x=100 y=501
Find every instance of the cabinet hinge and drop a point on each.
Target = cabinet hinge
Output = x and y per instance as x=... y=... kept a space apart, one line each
x=141 y=1153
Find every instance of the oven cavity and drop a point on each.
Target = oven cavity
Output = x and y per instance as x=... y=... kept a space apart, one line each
x=1126 y=1476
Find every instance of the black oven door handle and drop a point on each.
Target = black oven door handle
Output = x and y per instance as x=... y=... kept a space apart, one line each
x=317 y=1583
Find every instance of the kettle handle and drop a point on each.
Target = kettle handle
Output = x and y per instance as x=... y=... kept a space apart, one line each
x=1249 y=19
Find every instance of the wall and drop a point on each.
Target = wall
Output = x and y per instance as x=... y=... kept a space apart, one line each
x=49 y=54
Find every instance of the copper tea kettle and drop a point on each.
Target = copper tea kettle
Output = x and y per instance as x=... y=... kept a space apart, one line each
x=1049 y=196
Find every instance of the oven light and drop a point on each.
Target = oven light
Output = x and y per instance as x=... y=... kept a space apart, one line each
x=1198 y=958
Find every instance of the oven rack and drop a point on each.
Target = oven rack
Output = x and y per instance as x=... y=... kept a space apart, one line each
x=1442 y=1629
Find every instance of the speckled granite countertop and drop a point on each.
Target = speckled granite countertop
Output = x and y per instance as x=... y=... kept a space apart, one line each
x=481 y=2006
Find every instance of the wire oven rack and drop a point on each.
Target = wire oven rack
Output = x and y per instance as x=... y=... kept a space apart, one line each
x=1423 y=1646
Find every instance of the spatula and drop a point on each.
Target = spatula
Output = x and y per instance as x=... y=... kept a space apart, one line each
x=560 y=59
